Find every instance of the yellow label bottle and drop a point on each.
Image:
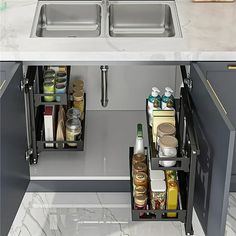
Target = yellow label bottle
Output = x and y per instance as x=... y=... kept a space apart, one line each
x=172 y=197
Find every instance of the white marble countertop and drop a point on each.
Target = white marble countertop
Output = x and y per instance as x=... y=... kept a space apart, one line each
x=208 y=29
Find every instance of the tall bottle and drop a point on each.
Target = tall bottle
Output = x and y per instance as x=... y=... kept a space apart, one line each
x=139 y=146
x=167 y=99
x=154 y=98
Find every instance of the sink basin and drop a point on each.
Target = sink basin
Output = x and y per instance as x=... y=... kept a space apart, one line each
x=143 y=19
x=93 y=18
x=67 y=19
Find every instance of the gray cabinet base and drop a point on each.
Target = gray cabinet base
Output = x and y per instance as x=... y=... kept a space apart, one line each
x=79 y=186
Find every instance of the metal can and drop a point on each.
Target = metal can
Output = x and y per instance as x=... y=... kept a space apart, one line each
x=49 y=88
x=73 y=131
x=49 y=73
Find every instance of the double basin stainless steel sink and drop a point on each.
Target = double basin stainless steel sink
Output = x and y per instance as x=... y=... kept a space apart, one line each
x=106 y=19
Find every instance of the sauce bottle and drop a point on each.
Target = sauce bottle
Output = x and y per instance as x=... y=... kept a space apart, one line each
x=154 y=98
x=167 y=99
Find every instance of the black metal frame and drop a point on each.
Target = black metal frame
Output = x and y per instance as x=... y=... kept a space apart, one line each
x=188 y=151
x=36 y=103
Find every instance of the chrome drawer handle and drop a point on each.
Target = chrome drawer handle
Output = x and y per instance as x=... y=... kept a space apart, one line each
x=231 y=67
x=221 y=104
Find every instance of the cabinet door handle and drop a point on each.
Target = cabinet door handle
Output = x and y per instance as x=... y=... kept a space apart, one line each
x=221 y=104
x=1 y=86
x=231 y=67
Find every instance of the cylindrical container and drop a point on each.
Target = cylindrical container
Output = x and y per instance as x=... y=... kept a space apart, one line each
x=49 y=73
x=48 y=87
x=141 y=179
x=60 y=89
x=172 y=197
x=158 y=194
x=61 y=81
x=73 y=131
x=168 y=145
x=140 y=202
x=139 y=167
x=139 y=157
x=140 y=190
x=73 y=113
x=165 y=129
x=61 y=74
x=78 y=85
x=49 y=79
x=79 y=101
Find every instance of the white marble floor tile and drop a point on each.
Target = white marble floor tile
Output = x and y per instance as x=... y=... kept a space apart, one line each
x=95 y=214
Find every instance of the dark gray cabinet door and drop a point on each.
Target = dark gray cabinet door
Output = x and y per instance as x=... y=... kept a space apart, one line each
x=14 y=169
x=216 y=137
x=222 y=78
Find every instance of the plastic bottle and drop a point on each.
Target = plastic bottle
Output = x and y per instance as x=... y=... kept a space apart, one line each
x=153 y=98
x=139 y=146
x=167 y=99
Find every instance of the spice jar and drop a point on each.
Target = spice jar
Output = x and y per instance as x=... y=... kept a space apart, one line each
x=140 y=190
x=49 y=73
x=138 y=157
x=158 y=194
x=48 y=87
x=73 y=113
x=140 y=202
x=139 y=167
x=73 y=131
x=79 y=101
x=141 y=179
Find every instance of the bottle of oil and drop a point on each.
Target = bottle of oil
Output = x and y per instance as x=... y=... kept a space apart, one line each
x=139 y=146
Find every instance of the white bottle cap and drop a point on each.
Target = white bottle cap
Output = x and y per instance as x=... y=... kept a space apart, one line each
x=155 y=91
x=168 y=91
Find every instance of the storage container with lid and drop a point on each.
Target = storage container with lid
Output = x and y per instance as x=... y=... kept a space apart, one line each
x=49 y=73
x=73 y=131
x=168 y=145
x=73 y=113
x=165 y=129
x=139 y=157
x=78 y=101
x=156 y=174
x=49 y=88
x=158 y=194
x=140 y=190
x=139 y=167
x=141 y=179
x=140 y=202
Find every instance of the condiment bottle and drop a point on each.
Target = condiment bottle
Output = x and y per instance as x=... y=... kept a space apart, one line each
x=79 y=102
x=139 y=146
x=154 y=97
x=158 y=194
x=167 y=99
x=172 y=197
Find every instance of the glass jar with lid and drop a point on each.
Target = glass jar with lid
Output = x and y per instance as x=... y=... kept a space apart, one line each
x=139 y=167
x=78 y=99
x=140 y=202
x=49 y=73
x=73 y=113
x=140 y=190
x=73 y=131
x=139 y=157
x=49 y=88
x=141 y=179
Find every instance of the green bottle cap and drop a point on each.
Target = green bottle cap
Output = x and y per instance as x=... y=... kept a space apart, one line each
x=139 y=130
